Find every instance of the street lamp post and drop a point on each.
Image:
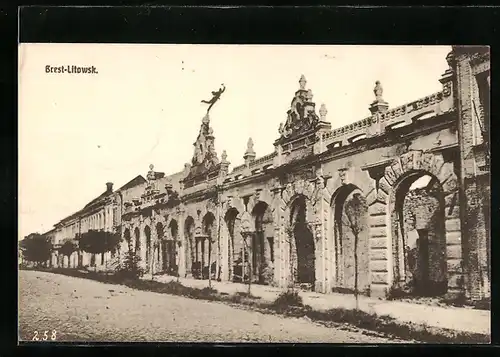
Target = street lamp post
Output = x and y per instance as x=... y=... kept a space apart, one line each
x=245 y=233
x=245 y=242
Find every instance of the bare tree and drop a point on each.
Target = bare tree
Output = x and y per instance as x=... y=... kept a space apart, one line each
x=215 y=200
x=354 y=210
x=289 y=239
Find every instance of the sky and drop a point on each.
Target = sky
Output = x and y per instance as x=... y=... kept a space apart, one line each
x=143 y=106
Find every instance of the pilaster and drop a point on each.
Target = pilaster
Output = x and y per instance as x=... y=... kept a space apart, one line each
x=183 y=242
x=224 y=236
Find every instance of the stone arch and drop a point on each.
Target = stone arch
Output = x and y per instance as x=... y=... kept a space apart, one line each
x=235 y=202
x=385 y=235
x=147 y=222
x=418 y=235
x=174 y=229
x=260 y=195
x=299 y=187
x=262 y=244
x=350 y=239
x=189 y=228
x=231 y=219
x=204 y=244
x=190 y=211
x=208 y=223
x=198 y=212
x=301 y=242
x=170 y=249
x=350 y=175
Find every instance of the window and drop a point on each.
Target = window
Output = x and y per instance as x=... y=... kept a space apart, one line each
x=484 y=100
x=397 y=125
x=356 y=138
x=335 y=144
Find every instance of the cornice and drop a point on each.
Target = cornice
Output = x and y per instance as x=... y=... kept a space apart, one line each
x=391 y=137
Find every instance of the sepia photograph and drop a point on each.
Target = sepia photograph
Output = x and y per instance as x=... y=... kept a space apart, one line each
x=254 y=193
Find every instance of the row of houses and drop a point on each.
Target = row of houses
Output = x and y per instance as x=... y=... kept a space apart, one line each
x=101 y=213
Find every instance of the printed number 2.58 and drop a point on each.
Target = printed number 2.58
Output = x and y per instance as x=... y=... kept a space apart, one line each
x=45 y=337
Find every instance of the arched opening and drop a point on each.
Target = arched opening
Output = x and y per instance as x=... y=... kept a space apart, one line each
x=302 y=250
x=262 y=245
x=147 y=233
x=170 y=253
x=204 y=246
x=419 y=241
x=351 y=250
x=137 y=234
x=189 y=234
x=128 y=239
x=234 y=261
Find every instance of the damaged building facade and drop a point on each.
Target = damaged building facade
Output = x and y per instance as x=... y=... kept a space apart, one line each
x=332 y=209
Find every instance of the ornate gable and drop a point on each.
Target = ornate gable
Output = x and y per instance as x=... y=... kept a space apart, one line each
x=205 y=161
x=299 y=134
x=301 y=117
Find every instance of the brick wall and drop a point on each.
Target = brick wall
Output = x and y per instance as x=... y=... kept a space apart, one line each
x=474 y=221
x=425 y=241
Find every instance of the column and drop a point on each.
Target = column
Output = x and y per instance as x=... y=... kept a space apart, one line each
x=181 y=250
x=207 y=249
x=472 y=225
x=249 y=239
x=279 y=272
x=197 y=250
x=204 y=251
x=320 y=239
x=143 y=248
x=285 y=258
x=159 y=255
x=225 y=242
x=154 y=243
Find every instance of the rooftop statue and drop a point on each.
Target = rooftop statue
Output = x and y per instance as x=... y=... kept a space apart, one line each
x=301 y=116
x=378 y=91
x=151 y=174
x=216 y=96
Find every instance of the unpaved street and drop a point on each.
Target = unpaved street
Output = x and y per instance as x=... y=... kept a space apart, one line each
x=85 y=310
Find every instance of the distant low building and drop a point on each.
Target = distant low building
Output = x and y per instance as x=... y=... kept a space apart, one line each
x=102 y=213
